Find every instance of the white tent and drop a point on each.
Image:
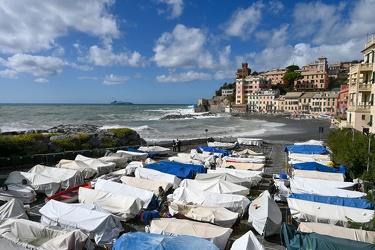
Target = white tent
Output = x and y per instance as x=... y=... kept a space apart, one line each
x=68 y=177
x=134 y=156
x=326 y=183
x=217 y=186
x=318 y=175
x=151 y=174
x=34 y=235
x=216 y=215
x=224 y=176
x=125 y=207
x=265 y=215
x=248 y=241
x=101 y=226
x=217 y=235
x=87 y=171
x=102 y=167
x=327 y=213
x=146 y=184
x=337 y=231
x=40 y=183
x=13 y=209
x=301 y=186
x=124 y=189
x=233 y=202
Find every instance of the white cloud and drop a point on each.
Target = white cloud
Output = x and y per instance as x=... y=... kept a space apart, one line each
x=106 y=57
x=176 y=7
x=244 y=21
x=113 y=79
x=275 y=6
x=30 y=26
x=41 y=80
x=35 y=65
x=184 y=47
x=184 y=77
x=87 y=78
x=276 y=37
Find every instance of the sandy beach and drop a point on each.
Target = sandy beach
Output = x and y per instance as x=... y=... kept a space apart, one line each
x=273 y=148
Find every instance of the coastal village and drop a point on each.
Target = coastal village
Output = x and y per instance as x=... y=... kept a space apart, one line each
x=243 y=194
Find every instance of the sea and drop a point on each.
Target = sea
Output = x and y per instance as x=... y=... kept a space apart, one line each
x=146 y=119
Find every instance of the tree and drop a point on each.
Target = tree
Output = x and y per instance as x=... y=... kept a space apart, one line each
x=290 y=77
x=292 y=68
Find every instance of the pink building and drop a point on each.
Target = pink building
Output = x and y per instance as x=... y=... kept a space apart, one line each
x=342 y=102
x=315 y=76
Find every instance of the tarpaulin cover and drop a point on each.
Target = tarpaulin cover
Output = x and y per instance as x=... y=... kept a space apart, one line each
x=146 y=184
x=334 y=200
x=147 y=196
x=233 y=202
x=295 y=240
x=102 y=167
x=315 y=166
x=214 y=214
x=182 y=173
x=216 y=186
x=101 y=226
x=307 y=149
x=212 y=150
x=217 y=235
x=14 y=208
x=197 y=168
x=318 y=175
x=156 y=175
x=229 y=177
x=133 y=154
x=142 y=240
x=326 y=183
x=248 y=241
x=87 y=171
x=265 y=215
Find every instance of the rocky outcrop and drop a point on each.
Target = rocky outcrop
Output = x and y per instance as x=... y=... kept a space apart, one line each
x=215 y=105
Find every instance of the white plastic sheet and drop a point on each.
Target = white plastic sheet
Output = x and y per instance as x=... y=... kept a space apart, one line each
x=217 y=186
x=151 y=174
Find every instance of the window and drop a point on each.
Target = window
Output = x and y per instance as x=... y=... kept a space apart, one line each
x=363 y=117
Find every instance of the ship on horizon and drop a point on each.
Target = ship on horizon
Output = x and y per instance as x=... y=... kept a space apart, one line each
x=121 y=103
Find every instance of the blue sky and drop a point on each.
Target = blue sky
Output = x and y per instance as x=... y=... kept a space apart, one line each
x=164 y=51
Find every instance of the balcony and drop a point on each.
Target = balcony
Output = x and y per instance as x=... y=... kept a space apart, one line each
x=365 y=67
x=363 y=107
x=364 y=87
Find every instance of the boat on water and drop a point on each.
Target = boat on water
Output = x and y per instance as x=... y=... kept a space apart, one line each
x=69 y=195
x=121 y=103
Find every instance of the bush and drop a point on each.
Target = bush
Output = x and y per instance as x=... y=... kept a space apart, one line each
x=121 y=132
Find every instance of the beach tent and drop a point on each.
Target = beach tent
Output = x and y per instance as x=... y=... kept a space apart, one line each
x=102 y=167
x=178 y=171
x=307 y=149
x=248 y=241
x=213 y=150
x=315 y=166
x=233 y=202
x=318 y=175
x=142 y=240
x=217 y=186
x=30 y=233
x=40 y=183
x=215 y=234
x=132 y=155
x=196 y=168
x=213 y=214
x=336 y=231
x=100 y=225
x=146 y=184
x=265 y=215
x=226 y=177
x=152 y=174
x=148 y=197
x=301 y=186
x=294 y=239
x=87 y=171
x=14 y=208
x=125 y=207
x=317 y=210
x=68 y=177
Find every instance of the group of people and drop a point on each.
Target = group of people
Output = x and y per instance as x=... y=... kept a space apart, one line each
x=176 y=145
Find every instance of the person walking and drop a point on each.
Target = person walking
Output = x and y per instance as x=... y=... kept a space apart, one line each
x=174 y=146
x=272 y=189
x=178 y=145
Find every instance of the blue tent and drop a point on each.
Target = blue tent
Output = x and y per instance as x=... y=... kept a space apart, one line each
x=335 y=200
x=294 y=240
x=182 y=173
x=307 y=149
x=142 y=240
x=213 y=150
x=198 y=168
x=318 y=167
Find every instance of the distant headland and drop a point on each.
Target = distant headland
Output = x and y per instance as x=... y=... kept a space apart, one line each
x=121 y=103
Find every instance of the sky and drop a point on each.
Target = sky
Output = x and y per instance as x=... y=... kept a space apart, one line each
x=165 y=51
